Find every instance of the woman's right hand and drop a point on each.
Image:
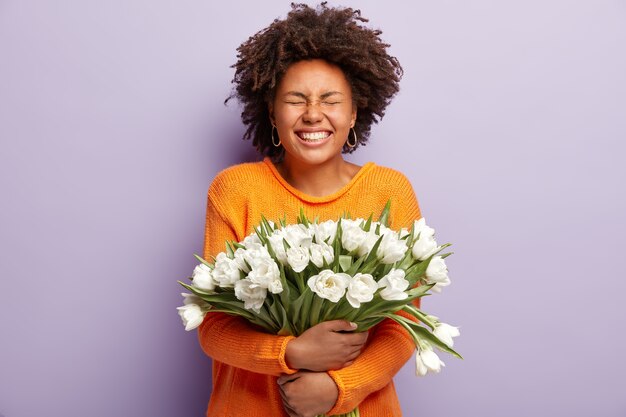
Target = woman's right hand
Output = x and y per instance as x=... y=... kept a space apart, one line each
x=328 y=345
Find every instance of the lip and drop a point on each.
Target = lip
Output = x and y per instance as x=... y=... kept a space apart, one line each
x=317 y=143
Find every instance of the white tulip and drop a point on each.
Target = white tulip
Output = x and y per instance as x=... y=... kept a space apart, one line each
x=202 y=278
x=240 y=259
x=368 y=243
x=391 y=248
x=194 y=299
x=394 y=285
x=265 y=274
x=361 y=289
x=325 y=232
x=297 y=235
x=329 y=285
x=321 y=252
x=432 y=318
x=226 y=271
x=352 y=236
x=278 y=246
x=252 y=241
x=438 y=287
x=298 y=258
x=427 y=360
x=445 y=333
x=252 y=255
x=251 y=294
x=425 y=245
x=192 y=315
x=437 y=270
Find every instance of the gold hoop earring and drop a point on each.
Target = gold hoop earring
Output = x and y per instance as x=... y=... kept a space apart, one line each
x=355 y=139
x=273 y=140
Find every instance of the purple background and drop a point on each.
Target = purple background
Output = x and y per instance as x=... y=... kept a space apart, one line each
x=510 y=124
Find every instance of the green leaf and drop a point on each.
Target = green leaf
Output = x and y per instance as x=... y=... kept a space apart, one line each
x=295 y=307
x=355 y=266
x=259 y=232
x=419 y=315
x=419 y=291
x=384 y=215
x=368 y=323
x=434 y=340
x=285 y=295
x=316 y=306
x=372 y=255
x=414 y=273
x=337 y=247
x=268 y=228
x=229 y=250
x=272 y=308
x=285 y=329
x=425 y=334
x=406 y=324
x=343 y=311
x=202 y=260
x=406 y=262
x=303 y=323
x=368 y=224
x=344 y=262
x=303 y=219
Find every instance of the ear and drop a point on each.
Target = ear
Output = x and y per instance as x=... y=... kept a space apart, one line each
x=353 y=117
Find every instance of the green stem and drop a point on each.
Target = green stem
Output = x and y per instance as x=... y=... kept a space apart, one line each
x=353 y=413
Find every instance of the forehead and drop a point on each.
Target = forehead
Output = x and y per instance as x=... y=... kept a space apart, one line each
x=313 y=76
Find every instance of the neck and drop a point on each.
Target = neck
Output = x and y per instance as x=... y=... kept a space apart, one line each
x=317 y=180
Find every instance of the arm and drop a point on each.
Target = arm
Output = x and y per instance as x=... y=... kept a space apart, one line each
x=390 y=345
x=221 y=334
x=389 y=349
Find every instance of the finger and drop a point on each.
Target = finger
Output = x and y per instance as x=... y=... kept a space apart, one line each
x=283 y=395
x=290 y=411
x=341 y=326
x=356 y=339
x=353 y=356
x=284 y=379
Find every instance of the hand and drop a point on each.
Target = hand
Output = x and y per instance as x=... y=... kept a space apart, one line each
x=328 y=345
x=307 y=394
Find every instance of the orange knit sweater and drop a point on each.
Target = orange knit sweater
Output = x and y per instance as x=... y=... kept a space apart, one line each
x=246 y=361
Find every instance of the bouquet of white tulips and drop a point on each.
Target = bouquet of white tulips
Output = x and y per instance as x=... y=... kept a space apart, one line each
x=288 y=278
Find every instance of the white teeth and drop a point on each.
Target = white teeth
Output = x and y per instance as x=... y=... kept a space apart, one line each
x=314 y=135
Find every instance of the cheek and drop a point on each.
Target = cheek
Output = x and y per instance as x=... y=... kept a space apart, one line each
x=286 y=115
x=341 y=118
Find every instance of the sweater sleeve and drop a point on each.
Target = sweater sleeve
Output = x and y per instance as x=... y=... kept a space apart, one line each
x=227 y=338
x=389 y=345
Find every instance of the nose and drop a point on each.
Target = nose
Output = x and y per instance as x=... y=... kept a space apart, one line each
x=313 y=113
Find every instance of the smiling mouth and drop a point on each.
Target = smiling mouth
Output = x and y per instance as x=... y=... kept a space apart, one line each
x=313 y=136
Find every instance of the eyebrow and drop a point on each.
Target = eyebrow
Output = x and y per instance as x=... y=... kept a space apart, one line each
x=304 y=96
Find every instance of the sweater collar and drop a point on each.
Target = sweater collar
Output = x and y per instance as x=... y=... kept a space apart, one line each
x=314 y=199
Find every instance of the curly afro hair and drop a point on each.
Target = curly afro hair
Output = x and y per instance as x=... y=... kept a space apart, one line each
x=333 y=34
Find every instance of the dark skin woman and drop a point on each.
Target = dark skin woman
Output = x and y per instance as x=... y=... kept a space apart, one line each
x=311 y=85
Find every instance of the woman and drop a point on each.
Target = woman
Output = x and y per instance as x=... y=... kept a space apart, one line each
x=311 y=85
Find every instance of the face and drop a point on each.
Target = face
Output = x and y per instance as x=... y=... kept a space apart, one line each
x=313 y=112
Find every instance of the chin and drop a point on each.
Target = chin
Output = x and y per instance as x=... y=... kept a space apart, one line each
x=316 y=158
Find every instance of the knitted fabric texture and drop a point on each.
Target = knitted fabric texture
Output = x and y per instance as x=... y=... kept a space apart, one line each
x=246 y=361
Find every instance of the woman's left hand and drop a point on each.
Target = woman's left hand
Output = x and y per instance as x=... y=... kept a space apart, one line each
x=308 y=394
